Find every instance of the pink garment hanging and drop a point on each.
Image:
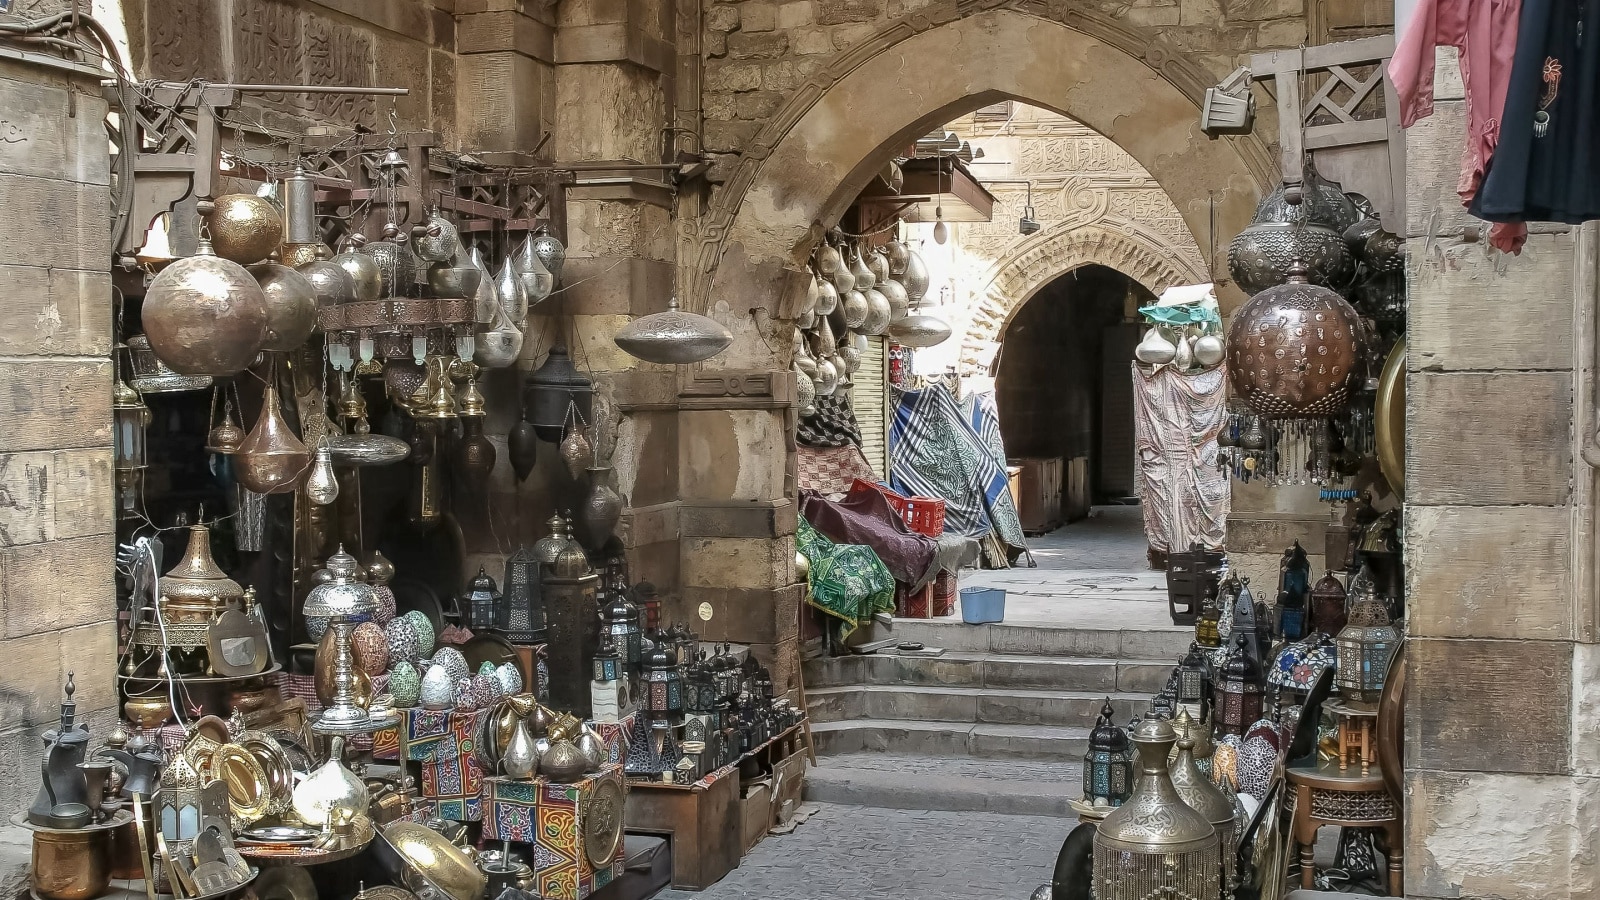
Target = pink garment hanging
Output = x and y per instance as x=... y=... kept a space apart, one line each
x=1184 y=494
x=1484 y=32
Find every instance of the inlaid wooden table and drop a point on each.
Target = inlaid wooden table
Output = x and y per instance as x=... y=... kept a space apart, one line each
x=1326 y=795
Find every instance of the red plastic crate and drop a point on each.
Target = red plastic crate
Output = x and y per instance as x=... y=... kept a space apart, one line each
x=924 y=515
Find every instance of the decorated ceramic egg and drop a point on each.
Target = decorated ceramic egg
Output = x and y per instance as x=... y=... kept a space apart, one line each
x=371 y=647
x=1266 y=730
x=510 y=678
x=424 y=630
x=438 y=691
x=486 y=668
x=316 y=626
x=453 y=662
x=405 y=685
x=466 y=700
x=385 y=612
x=1257 y=758
x=485 y=691
x=402 y=639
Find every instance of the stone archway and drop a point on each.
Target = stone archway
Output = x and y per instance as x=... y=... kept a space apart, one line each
x=817 y=152
x=1146 y=258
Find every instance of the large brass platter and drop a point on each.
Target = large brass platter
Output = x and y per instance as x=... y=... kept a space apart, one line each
x=602 y=822
x=249 y=786
x=1389 y=419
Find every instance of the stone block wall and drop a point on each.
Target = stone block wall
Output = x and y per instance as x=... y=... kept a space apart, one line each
x=57 y=534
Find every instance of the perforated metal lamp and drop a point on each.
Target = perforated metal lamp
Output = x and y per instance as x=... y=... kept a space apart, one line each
x=1155 y=844
x=1108 y=765
x=483 y=602
x=1194 y=683
x=1239 y=690
x=1365 y=648
x=521 y=612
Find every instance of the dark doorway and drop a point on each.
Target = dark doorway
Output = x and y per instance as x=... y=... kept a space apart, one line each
x=1063 y=387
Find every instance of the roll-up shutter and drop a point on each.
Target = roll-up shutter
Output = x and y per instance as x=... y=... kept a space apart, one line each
x=870 y=397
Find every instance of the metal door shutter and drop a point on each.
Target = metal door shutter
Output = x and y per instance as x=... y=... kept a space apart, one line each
x=870 y=397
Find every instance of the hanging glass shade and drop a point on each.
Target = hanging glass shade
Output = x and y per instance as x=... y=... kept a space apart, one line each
x=673 y=337
x=1108 y=765
x=552 y=391
x=522 y=616
x=1156 y=845
x=1293 y=350
x=1365 y=646
x=1239 y=691
x=205 y=315
x=1328 y=606
x=1205 y=798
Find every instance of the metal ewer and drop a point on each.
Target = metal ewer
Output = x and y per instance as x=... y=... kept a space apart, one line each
x=673 y=337
x=1155 y=845
x=1206 y=799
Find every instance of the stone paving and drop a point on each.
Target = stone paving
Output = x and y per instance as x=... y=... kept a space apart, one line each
x=850 y=852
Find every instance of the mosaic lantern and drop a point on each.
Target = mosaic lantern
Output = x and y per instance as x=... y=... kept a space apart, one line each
x=483 y=602
x=1108 y=766
x=1238 y=690
x=1156 y=845
x=1206 y=799
x=1327 y=606
x=1365 y=647
x=521 y=613
x=663 y=694
x=608 y=663
x=608 y=687
x=1194 y=683
x=620 y=620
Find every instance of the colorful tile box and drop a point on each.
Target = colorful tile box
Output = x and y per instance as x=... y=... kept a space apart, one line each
x=548 y=817
x=444 y=742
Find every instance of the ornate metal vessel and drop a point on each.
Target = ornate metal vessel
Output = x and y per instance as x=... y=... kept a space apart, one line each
x=537 y=281
x=1204 y=797
x=673 y=337
x=919 y=330
x=1293 y=350
x=1155 y=845
x=365 y=278
x=550 y=251
x=438 y=241
x=245 y=228
x=1315 y=200
x=205 y=315
x=1262 y=254
x=291 y=304
x=455 y=278
x=878 y=312
x=271 y=459
x=152 y=376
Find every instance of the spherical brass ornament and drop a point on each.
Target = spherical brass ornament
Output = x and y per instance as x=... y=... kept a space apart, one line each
x=1293 y=350
x=245 y=228
x=296 y=255
x=365 y=279
x=330 y=282
x=291 y=305
x=205 y=315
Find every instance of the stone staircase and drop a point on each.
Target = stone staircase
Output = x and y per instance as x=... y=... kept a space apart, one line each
x=999 y=721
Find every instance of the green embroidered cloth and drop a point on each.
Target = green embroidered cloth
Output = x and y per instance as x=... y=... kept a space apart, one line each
x=847 y=581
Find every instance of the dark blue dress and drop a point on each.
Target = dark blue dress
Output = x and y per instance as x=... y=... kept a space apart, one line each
x=1553 y=176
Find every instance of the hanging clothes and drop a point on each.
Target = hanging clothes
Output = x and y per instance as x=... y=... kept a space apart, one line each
x=1485 y=34
x=1545 y=168
x=1176 y=420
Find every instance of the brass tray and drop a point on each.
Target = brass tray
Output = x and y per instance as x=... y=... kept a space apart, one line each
x=1389 y=419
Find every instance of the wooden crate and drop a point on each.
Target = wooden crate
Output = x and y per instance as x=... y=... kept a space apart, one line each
x=1039 y=487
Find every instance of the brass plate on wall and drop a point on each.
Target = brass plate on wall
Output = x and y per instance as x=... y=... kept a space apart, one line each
x=1389 y=419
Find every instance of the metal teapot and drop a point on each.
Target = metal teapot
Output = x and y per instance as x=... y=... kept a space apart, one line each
x=144 y=769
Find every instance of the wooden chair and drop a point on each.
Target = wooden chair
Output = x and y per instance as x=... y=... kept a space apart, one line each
x=1325 y=795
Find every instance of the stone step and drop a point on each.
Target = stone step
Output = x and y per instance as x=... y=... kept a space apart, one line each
x=953 y=784
x=945 y=703
x=1142 y=642
x=992 y=670
x=987 y=740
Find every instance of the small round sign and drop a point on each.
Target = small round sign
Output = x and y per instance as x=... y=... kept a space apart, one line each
x=705 y=611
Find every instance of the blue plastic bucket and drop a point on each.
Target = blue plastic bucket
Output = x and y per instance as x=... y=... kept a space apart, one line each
x=983 y=606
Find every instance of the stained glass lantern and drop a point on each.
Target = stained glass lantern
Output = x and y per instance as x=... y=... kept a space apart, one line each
x=702 y=694
x=1206 y=625
x=1238 y=690
x=1196 y=789
x=1294 y=582
x=608 y=663
x=130 y=416
x=1194 y=683
x=521 y=614
x=620 y=620
x=1155 y=845
x=556 y=395
x=663 y=695
x=483 y=602
x=647 y=601
x=1328 y=614
x=608 y=688
x=1108 y=766
x=1365 y=647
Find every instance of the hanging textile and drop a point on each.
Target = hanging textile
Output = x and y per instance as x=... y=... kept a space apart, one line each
x=935 y=451
x=1485 y=34
x=831 y=471
x=865 y=517
x=833 y=424
x=1544 y=169
x=1176 y=420
x=846 y=581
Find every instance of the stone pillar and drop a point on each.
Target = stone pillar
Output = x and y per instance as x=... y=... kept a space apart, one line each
x=57 y=534
x=505 y=74
x=1500 y=737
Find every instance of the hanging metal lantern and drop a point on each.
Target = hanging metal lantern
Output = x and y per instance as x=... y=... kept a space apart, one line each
x=1108 y=765
x=291 y=305
x=919 y=330
x=673 y=337
x=1238 y=691
x=537 y=281
x=244 y=228
x=1365 y=648
x=437 y=240
x=1205 y=798
x=365 y=277
x=550 y=251
x=1262 y=254
x=1328 y=606
x=915 y=278
x=1293 y=350
x=552 y=391
x=397 y=270
x=1155 y=845
x=483 y=602
x=300 y=209
x=522 y=617
x=1207 y=625
x=205 y=315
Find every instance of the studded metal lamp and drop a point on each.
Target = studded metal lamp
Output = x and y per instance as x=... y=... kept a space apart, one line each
x=1155 y=845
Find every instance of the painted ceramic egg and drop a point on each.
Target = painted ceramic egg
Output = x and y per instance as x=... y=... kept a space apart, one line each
x=438 y=691
x=424 y=630
x=1225 y=763
x=1257 y=759
x=316 y=626
x=405 y=685
x=453 y=662
x=402 y=639
x=371 y=647
x=1265 y=730
x=486 y=668
x=510 y=678
x=386 y=611
x=466 y=700
x=485 y=691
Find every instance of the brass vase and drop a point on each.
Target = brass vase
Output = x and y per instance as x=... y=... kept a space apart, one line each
x=272 y=459
x=602 y=509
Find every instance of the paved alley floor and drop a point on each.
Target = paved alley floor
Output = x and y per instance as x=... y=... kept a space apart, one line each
x=851 y=852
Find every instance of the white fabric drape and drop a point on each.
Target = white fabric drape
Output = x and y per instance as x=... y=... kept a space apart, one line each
x=1176 y=419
